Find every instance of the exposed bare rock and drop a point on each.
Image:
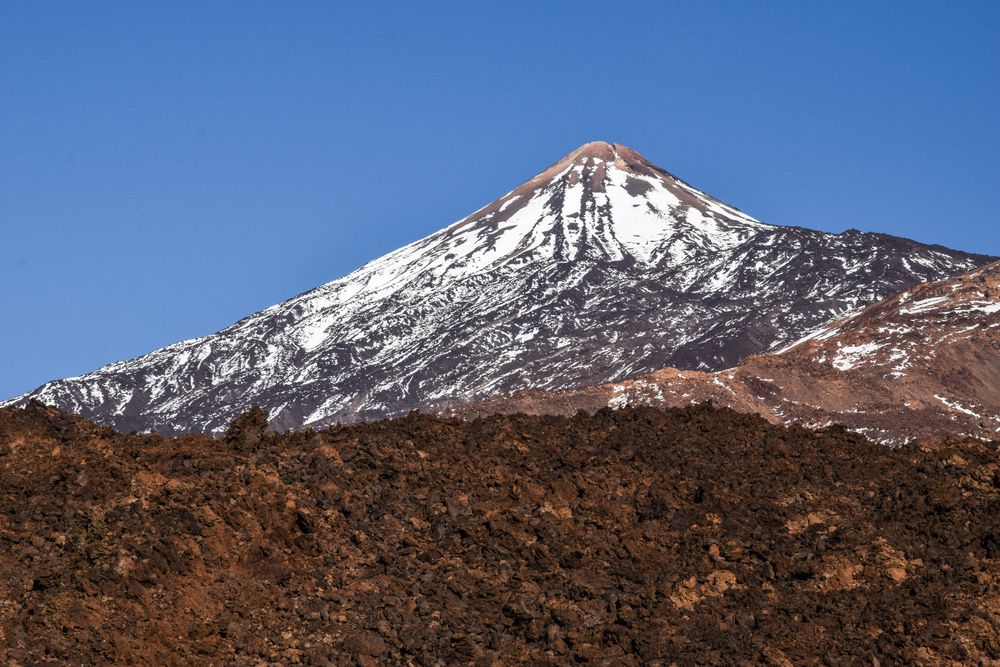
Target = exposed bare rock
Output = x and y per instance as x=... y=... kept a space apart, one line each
x=628 y=537
x=922 y=364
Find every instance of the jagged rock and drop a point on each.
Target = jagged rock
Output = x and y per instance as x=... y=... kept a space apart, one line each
x=630 y=537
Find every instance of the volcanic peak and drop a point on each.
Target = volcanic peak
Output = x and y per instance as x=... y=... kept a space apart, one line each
x=602 y=267
x=602 y=150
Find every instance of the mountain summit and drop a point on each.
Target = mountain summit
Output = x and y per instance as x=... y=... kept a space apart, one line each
x=601 y=267
x=602 y=201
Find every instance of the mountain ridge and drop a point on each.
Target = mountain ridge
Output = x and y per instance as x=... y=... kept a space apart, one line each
x=922 y=364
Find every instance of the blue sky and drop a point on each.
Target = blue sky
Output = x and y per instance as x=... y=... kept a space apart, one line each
x=169 y=167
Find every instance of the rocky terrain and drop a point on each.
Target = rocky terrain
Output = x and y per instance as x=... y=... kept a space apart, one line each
x=600 y=268
x=630 y=537
x=922 y=364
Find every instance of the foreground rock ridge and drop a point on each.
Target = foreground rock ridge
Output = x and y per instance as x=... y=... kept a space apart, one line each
x=602 y=267
x=630 y=537
x=924 y=363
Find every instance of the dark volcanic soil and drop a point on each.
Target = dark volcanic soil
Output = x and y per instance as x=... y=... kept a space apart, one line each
x=631 y=537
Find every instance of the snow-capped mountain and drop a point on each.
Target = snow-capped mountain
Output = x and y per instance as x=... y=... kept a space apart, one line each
x=921 y=364
x=599 y=268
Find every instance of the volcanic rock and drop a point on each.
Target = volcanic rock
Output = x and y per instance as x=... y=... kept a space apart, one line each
x=628 y=537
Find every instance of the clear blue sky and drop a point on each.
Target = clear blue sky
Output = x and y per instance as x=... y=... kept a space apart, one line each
x=169 y=167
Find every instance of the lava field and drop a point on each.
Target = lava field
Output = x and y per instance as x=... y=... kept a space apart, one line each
x=629 y=537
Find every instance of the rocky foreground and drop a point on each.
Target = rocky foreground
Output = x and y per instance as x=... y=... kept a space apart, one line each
x=636 y=536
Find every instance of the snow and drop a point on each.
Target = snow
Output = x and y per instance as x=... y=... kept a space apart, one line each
x=824 y=332
x=988 y=308
x=509 y=202
x=850 y=356
x=720 y=383
x=955 y=405
x=620 y=398
x=902 y=360
x=312 y=334
x=638 y=228
x=499 y=301
x=922 y=306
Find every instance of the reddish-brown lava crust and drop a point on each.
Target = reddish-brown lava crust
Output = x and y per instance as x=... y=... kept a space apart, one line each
x=687 y=536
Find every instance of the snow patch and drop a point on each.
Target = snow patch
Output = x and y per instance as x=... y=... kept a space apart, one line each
x=922 y=306
x=850 y=356
x=955 y=405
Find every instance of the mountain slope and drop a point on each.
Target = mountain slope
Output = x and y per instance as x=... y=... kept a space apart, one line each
x=601 y=267
x=922 y=364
